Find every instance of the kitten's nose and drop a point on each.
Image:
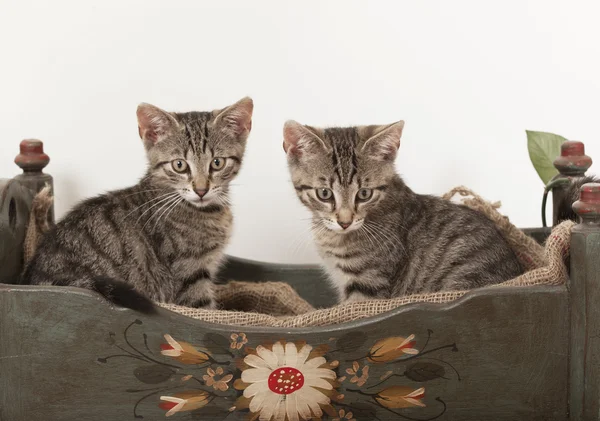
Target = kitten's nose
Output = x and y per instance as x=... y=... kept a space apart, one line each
x=201 y=192
x=344 y=225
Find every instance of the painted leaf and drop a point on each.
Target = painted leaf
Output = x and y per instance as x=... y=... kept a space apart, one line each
x=351 y=341
x=400 y=397
x=238 y=384
x=364 y=411
x=543 y=149
x=215 y=343
x=422 y=372
x=210 y=412
x=153 y=374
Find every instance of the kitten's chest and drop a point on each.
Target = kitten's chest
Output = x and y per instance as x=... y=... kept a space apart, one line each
x=329 y=248
x=201 y=238
x=337 y=277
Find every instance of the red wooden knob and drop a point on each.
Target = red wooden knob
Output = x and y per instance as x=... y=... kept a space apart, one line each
x=32 y=156
x=588 y=205
x=572 y=160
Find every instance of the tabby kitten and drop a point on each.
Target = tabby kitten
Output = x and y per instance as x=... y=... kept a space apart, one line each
x=163 y=238
x=377 y=238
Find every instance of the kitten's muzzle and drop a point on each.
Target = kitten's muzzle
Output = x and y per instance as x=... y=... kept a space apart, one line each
x=201 y=192
x=344 y=225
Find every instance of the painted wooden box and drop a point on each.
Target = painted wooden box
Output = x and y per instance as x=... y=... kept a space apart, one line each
x=530 y=353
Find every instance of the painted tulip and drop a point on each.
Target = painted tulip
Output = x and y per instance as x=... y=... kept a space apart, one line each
x=390 y=349
x=400 y=397
x=183 y=352
x=185 y=401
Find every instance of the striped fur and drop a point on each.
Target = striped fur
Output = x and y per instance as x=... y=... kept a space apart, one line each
x=565 y=207
x=398 y=242
x=157 y=240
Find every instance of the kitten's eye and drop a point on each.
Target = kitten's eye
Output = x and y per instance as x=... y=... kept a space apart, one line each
x=324 y=194
x=217 y=164
x=364 y=194
x=179 y=165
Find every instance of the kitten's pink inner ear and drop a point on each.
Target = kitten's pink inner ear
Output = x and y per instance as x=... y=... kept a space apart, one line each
x=291 y=137
x=385 y=144
x=153 y=123
x=238 y=117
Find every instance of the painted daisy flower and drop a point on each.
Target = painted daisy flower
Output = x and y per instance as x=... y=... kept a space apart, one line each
x=284 y=383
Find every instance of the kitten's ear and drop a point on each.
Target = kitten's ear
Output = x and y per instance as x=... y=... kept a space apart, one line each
x=382 y=141
x=154 y=124
x=236 y=119
x=298 y=139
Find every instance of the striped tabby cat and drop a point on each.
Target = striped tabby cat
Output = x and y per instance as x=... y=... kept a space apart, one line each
x=377 y=238
x=163 y=238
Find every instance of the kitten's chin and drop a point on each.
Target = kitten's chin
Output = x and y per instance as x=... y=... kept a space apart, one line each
x=201 y=203
x=337 y=229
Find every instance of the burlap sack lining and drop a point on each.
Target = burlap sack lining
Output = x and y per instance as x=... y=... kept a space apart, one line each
x=276 y=304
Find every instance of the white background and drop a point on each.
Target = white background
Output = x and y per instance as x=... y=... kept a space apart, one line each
x=467 y=77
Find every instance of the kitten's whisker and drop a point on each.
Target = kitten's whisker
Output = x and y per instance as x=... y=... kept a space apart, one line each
x=173 y=208
x=391 y=236
x=380 y=243
x=168 y=209
x=223 y=200
x=303 y=238
x=143 y=191
x=370 y=237
x=167 y=203
x=149 y=201
x=300 y=241
x=162 y=200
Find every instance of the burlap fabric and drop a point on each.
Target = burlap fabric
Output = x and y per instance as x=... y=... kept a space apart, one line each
x=276 y=304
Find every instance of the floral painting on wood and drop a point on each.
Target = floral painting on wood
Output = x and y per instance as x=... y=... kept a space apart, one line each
x=348 y=378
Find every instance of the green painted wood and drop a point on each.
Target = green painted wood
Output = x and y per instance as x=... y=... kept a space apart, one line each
x=15 y=204
x=508 y=345
x=584 y=291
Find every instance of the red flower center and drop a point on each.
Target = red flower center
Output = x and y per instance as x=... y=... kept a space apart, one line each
x=285 y=380
x=167 y=406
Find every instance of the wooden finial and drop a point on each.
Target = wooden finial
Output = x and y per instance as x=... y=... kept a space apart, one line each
x=588 y=205
x=32 y=161
x=32 y=157
x=572 y=160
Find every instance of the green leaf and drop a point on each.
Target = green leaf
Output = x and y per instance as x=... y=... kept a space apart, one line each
x=423 y=372
x=543 y=149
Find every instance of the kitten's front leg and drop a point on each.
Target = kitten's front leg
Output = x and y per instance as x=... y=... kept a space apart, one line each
x=365 y=288
x=196 y=290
